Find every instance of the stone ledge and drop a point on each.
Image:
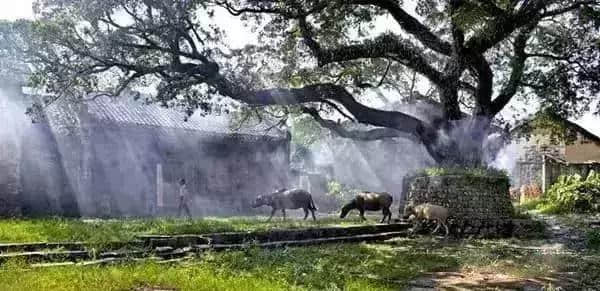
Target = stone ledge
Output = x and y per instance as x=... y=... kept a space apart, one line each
x=490 y=228
x=478 y=198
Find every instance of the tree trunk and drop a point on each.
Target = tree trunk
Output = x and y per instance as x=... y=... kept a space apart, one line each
x=460 y=143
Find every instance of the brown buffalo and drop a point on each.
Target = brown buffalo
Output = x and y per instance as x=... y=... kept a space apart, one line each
x=371 y=201
x=287 y=199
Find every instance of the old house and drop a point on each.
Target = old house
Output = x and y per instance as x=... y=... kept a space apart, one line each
x=117 y=157
x=564 y=142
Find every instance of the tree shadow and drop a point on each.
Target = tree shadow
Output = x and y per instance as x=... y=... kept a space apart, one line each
x=508 y=264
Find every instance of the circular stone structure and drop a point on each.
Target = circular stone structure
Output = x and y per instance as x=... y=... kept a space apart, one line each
x=478 y=205
x=471 y=197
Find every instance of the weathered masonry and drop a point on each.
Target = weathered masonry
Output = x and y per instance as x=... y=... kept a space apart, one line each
x=542 y=157
x=109 y=157
x=479 y=206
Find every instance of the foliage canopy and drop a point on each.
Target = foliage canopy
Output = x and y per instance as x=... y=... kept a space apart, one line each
x=326 y=58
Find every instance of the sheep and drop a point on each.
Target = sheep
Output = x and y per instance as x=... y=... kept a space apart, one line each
x=428 y=211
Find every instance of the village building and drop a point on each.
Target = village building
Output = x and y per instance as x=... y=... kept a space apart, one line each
x=539 y=152
x=110 y=157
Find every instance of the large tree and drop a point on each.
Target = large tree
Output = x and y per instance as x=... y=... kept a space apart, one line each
x=318 y=55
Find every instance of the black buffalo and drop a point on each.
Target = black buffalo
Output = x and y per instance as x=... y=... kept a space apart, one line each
x=371 y=201
x=287 y=199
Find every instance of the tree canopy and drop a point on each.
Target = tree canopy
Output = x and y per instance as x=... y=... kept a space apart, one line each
x=320 y=56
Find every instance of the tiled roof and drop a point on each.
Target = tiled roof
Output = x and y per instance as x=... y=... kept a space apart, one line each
x=127 y=111
x=524 y=125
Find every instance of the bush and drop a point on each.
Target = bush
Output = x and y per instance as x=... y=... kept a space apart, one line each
x=340 y=192
x=531 y=204
x=573 y=194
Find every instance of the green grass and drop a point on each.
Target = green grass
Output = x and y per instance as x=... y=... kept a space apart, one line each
x=99 y=231
x=463 y=171
x=543 y=206
x=332 y=267
x=530 y=204
x=381 y=266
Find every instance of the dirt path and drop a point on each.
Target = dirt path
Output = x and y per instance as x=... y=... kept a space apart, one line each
x=560 y=238
x=483 y=281
x=563 y=235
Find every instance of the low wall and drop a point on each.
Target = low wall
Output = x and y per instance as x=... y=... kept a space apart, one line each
x=490 y=228
x=479 y=206
x=465 y=196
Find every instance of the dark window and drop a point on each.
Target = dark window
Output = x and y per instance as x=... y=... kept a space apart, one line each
x=585 y=139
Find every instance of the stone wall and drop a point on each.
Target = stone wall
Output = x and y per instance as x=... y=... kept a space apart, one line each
x=9 y=180
x=466 y=197
x=479 y=206
x=529 y=166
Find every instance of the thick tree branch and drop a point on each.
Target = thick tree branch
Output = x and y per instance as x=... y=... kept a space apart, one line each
x=485 y=82
x=502 y=26
x=366 y=135
x=385 y=46
x=517 y=65
x=327 y=91
x=410 y=24
x=272 y=7
x=573 y=6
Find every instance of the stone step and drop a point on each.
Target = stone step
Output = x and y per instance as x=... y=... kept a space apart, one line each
x=37 y=246
x=305 y=242
x=46 y=256
x=56 y=258
x=71 y=246
x=108 y=261
x=185 y=240
x=179 y=246
x=72 y=256
x=268 y=236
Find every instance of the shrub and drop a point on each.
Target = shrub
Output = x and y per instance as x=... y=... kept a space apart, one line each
x=573 y=193
x=531 y=204
x=340 y=191
x=338 y=194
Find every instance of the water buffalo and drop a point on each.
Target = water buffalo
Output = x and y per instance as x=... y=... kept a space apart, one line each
x=371 y=201
x=287 y=199
x=428 y=211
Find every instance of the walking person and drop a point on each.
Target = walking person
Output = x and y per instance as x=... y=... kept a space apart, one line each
x=184 y=197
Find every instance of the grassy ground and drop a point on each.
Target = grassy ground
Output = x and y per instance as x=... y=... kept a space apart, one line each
x=382 y=266
x=388 y=265
x=99 y=231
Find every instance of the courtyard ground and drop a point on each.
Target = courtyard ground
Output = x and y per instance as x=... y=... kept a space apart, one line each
x=415 y=263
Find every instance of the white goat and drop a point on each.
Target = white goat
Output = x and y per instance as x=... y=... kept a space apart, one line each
x=428 y=211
